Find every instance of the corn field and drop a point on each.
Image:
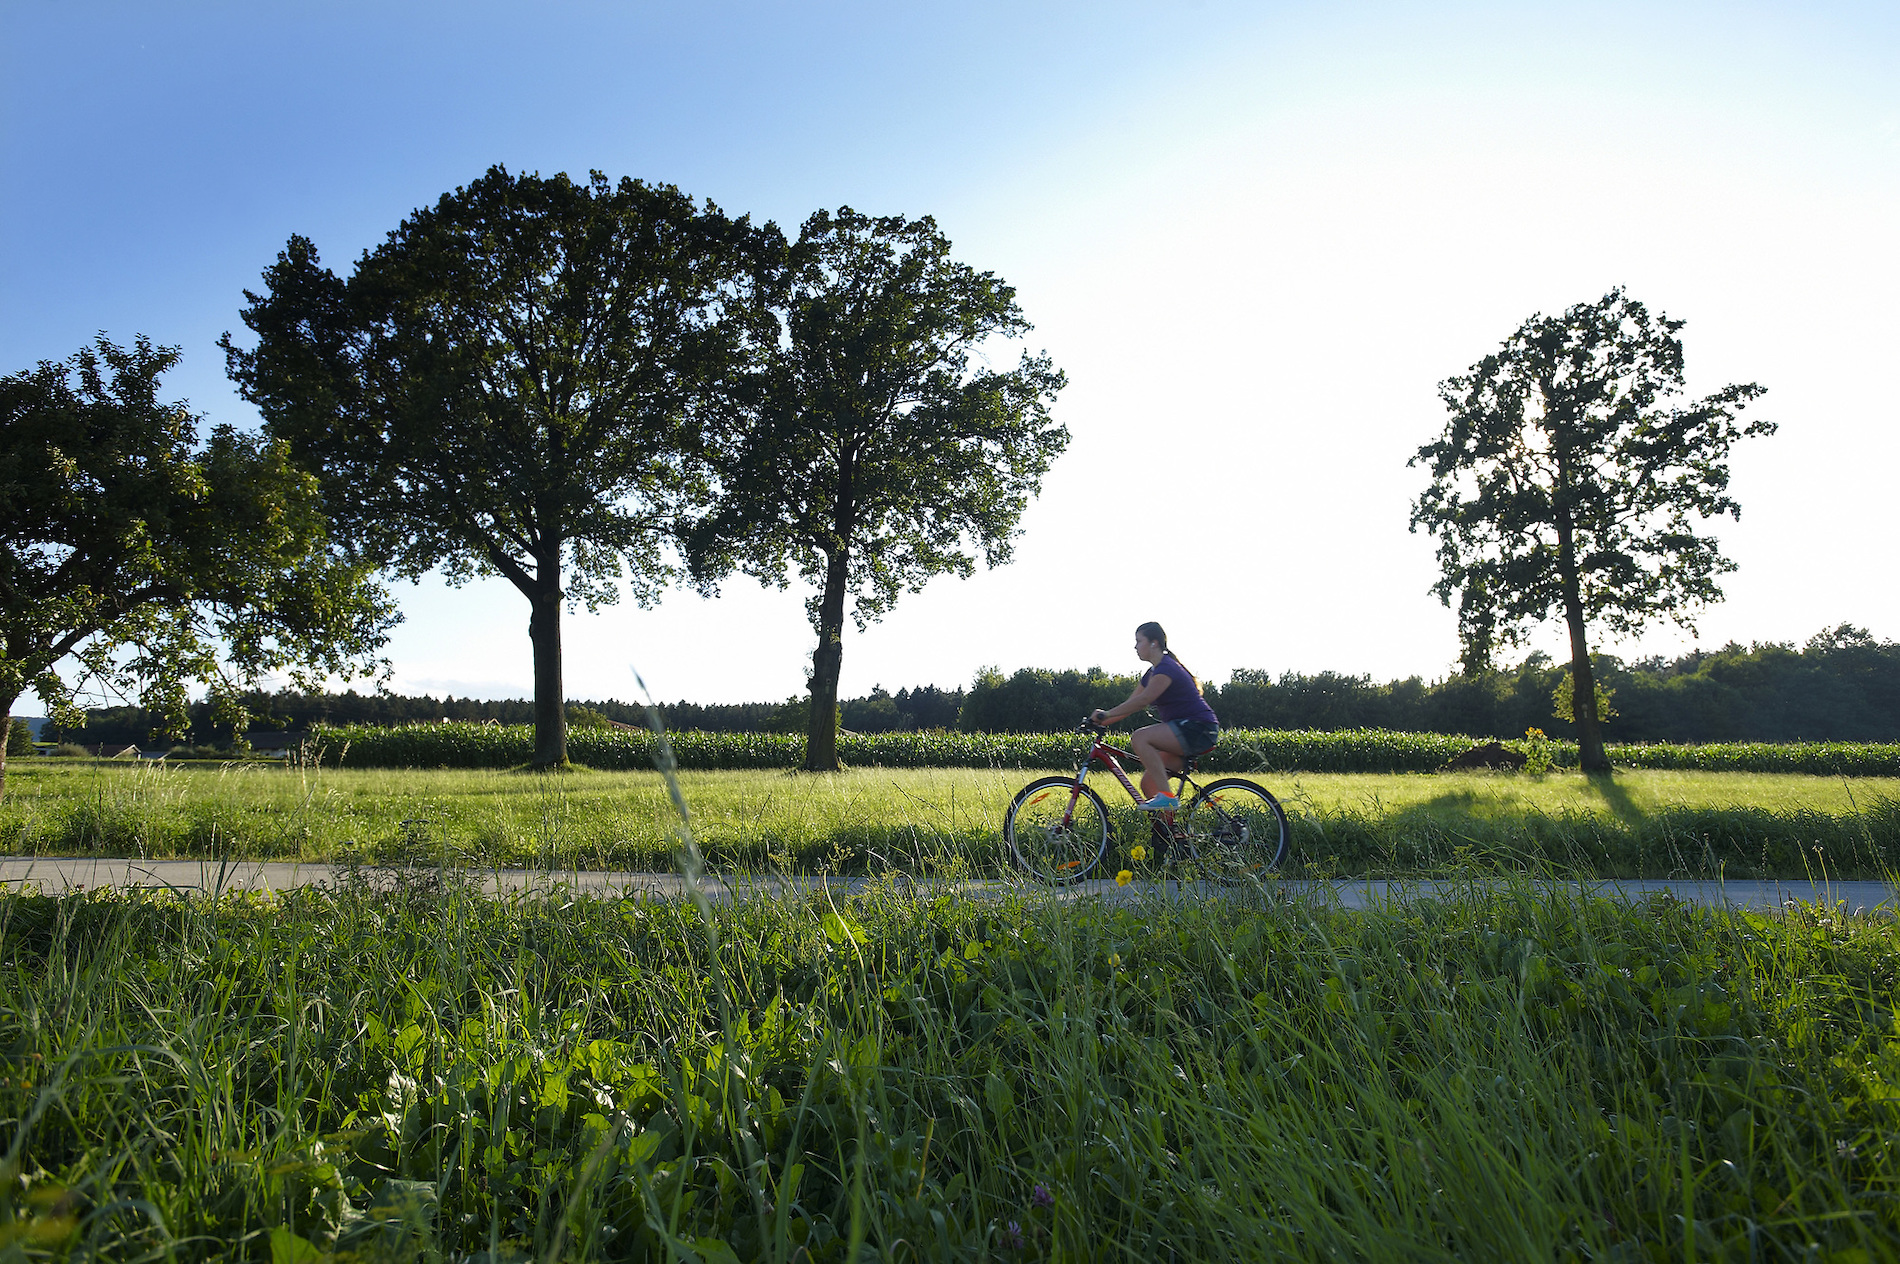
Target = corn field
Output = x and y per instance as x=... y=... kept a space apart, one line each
x=457 y=745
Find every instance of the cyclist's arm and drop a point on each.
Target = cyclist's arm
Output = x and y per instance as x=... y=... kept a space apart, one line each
x=1137 y=701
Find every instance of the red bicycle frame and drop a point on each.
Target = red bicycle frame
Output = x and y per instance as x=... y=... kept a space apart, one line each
x=1103 y=751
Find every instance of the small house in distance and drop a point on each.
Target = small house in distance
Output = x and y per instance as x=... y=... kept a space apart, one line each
x=275 y=745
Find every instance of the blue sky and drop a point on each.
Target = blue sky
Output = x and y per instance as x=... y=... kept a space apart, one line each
x=1256 y=236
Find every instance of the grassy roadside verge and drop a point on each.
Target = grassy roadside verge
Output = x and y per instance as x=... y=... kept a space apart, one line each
x=415 y=1074
x=1640 y=824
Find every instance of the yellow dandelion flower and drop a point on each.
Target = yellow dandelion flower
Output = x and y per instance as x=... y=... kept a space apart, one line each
x=1138 y=854
x=1114 y=959
x=1123 y=878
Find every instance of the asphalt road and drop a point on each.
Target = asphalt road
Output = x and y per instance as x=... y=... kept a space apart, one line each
x=67 y=873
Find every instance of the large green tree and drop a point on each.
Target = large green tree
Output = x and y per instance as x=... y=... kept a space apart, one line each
x=1568 y=481
x=508 y=386
x=871 y=453
x=146 y=562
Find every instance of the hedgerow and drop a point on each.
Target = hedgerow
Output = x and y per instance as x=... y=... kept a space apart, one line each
x=1838 y=759
x=457 y=745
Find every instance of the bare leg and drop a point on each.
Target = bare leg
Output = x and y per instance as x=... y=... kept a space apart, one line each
x=1159 y=752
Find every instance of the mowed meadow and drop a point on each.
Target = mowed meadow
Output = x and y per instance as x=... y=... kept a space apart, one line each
x=1640 y=823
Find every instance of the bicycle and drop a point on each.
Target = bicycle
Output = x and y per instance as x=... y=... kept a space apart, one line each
x=1057 y=827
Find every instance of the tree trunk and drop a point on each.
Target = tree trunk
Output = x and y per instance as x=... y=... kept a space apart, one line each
x=6 y=724
x=1583 y=697
x=821 y=746
x=550 y=710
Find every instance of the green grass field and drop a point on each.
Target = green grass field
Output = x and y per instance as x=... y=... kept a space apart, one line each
x=418 y=1074
x=1638 y=824
x=397 y=1068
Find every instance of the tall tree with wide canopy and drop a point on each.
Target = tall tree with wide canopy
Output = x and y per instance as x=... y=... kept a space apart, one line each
x=1567 y=481
x=508 y=386
x=151 y=562
x=871 y=453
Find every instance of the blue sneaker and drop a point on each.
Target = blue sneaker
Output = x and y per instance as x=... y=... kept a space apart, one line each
x=1162 y=802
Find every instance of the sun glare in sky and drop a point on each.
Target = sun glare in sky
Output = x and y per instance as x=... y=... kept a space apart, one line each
x=1255 y=236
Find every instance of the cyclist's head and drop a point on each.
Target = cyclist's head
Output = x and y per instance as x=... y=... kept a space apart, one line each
x=1152 y=633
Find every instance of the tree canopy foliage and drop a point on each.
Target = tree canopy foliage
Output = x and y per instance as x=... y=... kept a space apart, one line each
x=511 y=385
x=1039 y=700
x=873 y=450
x=152 y=562
x=1566 y=482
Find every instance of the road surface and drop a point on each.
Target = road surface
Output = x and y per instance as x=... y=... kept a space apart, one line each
x=67 y=873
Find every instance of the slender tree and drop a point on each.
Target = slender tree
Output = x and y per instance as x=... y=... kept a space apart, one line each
x=870 y=453
x=508 y=386
x=146 y=562
x=1566 y=481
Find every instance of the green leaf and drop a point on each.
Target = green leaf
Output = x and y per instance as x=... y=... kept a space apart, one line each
x=841 y=932
x=714 y=1251
x=999 y=1095
x=287 y=1248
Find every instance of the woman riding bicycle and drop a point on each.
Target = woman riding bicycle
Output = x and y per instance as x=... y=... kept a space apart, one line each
x=1188 y=725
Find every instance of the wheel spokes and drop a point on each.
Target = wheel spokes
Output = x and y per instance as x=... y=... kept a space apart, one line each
x=1056 y=831
x=1238 y=828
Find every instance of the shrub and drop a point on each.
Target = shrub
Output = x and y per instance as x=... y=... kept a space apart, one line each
x=197 y=752
x=585 y=717
x=1538 y=757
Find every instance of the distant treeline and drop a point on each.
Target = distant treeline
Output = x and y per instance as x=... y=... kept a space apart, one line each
x=881 y=711
x=1843 y=685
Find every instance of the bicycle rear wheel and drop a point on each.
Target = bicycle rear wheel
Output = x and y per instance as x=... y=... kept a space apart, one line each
x=1237 y=828
x=1056 y=829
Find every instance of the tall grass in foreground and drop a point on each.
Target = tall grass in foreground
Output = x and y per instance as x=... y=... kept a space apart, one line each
x=411 y=1071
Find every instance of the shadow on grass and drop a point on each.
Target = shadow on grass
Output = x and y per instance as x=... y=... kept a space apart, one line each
x=1465 y=803
x=1615 y=797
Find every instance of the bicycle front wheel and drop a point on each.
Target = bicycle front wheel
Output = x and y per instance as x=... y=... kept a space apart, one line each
x=1237 y=827
x=1056 y=829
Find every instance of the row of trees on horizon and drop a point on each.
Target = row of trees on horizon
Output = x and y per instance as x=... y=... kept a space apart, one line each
x=602 y=389
x=1843 y=685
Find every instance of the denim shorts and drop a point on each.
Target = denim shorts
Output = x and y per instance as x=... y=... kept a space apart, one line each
x=1197 y=737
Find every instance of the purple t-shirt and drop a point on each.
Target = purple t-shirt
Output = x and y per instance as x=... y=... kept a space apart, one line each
x=1181 y=700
